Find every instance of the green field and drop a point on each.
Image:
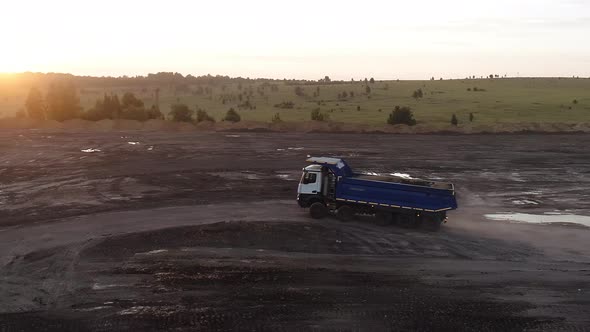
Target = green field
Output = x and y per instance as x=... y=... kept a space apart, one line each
x=515 y=100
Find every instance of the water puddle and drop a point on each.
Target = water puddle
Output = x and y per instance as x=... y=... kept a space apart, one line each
x=133 y=143
x=238 y=175
x=525 y=202
x=402 y=175
x=233 y=136
x=98 y=286
x=90 y=150
x=547 y=218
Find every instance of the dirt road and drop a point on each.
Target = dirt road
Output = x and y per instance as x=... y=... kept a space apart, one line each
x=161 y=231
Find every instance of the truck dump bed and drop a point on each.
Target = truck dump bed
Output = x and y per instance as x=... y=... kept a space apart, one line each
x=388 y=191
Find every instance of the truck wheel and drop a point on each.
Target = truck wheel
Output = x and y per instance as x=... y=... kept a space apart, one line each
x=345 y=213
x=318 y=210
x=383 y=218
x=432 y=223
x=406 y=220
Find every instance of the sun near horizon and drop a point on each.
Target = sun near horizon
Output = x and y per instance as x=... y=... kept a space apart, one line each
x=305 y=40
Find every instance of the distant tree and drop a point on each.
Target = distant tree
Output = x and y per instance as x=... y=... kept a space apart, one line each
x=351 y=93
x=115 y=106
x=62 y=101
x=203 y=116
x=491 y=76
x=35 y=105
x=344 y=94
x=327 y=79
x=372 y=80
x=468 y=89
x=471 y=117
x=181 y=113
x=232 y=116
x=454 y=120
x=358 y=107
x=317 y=90
x=368 y=89
x=432 y=78
x=575 y=101
x=366 y=80
x=154 y=113
x=299 y=91
x=401 y=115
x=276 y=118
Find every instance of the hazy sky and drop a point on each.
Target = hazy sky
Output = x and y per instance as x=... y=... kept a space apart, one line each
x=298 y=39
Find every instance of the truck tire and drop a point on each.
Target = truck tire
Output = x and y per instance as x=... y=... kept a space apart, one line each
x=432 y=223
x=345 y=213
x=407 y=220
x=318 y=210
x=383 y=218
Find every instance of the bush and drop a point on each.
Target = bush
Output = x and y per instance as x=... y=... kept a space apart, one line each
x=454 y=120
x=181 y=113
x=286 y=105
x=203 y=116
x=276 y=118
x=154 y=113
x=401 y=115
x=232 y=116
x=418 y=94
x=299 y=91
x=575 y=101
x=317 y=115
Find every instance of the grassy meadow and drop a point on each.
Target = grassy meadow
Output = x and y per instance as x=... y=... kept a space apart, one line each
x=514 y=100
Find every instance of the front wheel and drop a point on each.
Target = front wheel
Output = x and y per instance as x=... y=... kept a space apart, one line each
x=318 y=210
x=345 y=213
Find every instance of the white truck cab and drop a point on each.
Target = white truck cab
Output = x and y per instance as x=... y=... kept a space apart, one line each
x=311 y=181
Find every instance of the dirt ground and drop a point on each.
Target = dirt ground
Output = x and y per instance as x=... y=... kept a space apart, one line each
x=192 y=231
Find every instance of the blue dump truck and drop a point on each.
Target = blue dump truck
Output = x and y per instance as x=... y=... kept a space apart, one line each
x=329 y=186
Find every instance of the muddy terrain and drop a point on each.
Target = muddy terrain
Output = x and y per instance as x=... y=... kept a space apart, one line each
x=145 y=231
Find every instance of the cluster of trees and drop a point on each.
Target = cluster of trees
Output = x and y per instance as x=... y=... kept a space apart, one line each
x=401 y=115
x=129 y=108
x=60 y=103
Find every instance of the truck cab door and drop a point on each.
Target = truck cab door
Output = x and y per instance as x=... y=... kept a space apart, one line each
x=311 y=183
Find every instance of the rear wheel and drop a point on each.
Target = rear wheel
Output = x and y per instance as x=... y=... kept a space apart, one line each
x=318 y=210
x=383 y=218
x=345 y=213
x=432 y=222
